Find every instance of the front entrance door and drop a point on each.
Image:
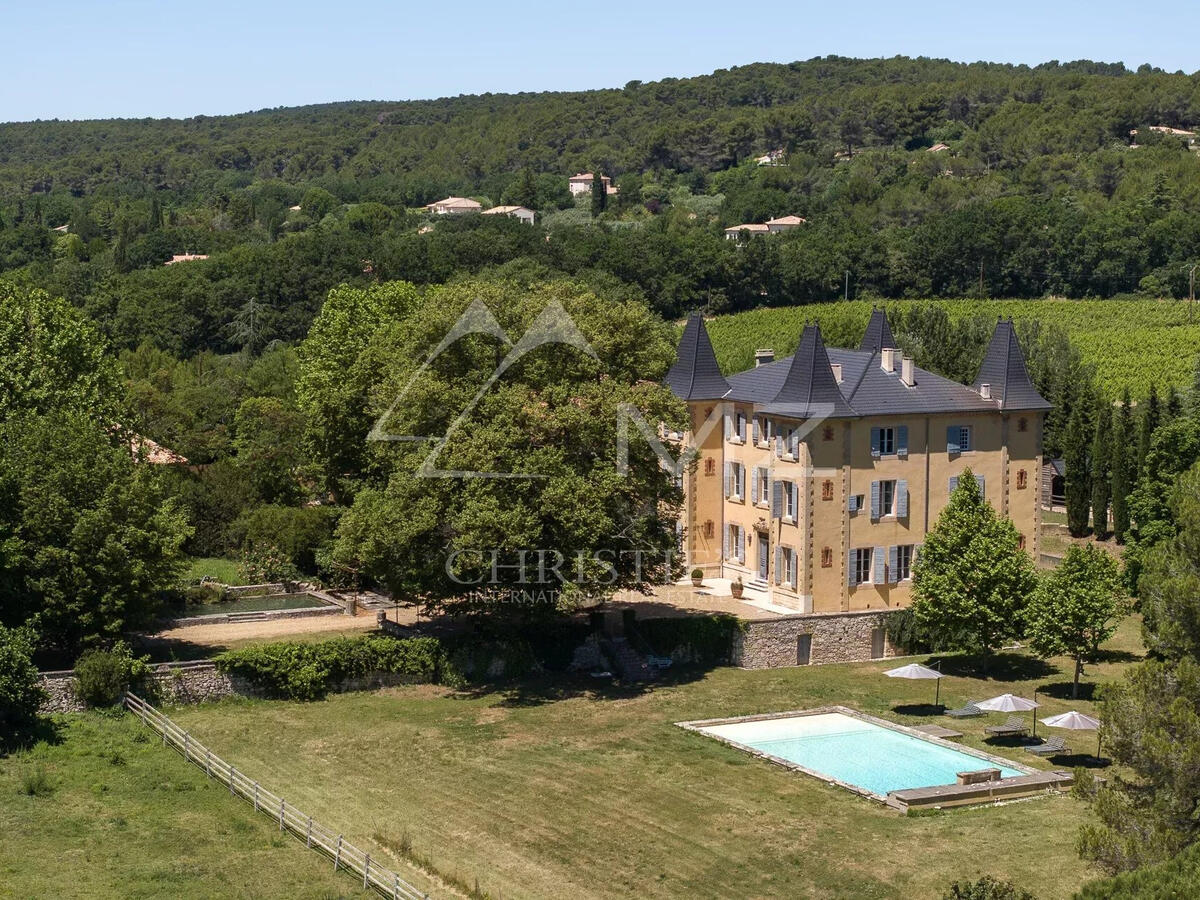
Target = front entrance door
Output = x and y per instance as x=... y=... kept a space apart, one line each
x=803 y=649
x=764 y=553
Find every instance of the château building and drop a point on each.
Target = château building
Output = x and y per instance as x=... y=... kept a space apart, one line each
x=819 y=474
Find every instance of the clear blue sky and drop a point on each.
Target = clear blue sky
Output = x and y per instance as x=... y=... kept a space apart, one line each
x=88 y=59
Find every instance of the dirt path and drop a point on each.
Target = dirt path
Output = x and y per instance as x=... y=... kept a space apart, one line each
x=225 y=635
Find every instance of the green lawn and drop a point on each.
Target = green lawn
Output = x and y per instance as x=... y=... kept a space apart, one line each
x=125 y=818
x=222 y=570
x=546 y=792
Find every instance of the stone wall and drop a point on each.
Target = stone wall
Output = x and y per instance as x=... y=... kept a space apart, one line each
x=836 y=637
x=336 y=609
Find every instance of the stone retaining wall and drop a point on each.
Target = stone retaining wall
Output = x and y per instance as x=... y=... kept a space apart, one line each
x=836 y=637
x=224 y=618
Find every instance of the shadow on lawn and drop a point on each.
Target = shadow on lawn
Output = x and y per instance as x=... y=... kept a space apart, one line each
x=997 y=666
x=551 y=688
x=1061 y=690
x=41 y=730
x=919 y=709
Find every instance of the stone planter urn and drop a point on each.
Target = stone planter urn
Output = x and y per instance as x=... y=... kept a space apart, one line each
x=697 y=578
x=736 y=589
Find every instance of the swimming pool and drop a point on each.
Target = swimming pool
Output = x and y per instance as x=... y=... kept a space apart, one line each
x=855 y=750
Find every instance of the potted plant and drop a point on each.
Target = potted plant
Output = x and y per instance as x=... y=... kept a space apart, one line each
x=737 y=587
x=697 y=577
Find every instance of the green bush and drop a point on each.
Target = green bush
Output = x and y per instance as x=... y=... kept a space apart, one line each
x=296 y=532
x=702 y=640
x=1175 y=878
x=36 y=781
x=201 y=594
x=20 y=686
x=986 y=888
x=308 y=671
x=264 y=564
x=101 y=676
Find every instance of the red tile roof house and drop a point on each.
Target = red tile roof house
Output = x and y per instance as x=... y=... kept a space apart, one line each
x=582 y=184
x=525 y=214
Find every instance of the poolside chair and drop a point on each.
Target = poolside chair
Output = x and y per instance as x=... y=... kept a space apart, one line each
x=966 y=711
x=1055 y=746
x=1014 y=727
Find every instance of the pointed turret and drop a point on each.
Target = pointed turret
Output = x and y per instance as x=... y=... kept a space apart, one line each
x=1003 y=376
x=696 y=375
x=810 y=387
x=878 y=334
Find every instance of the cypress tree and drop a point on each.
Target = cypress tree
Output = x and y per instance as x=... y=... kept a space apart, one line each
x=599 y=195
x=1150 y=417
x=526 y=192
x=1078 y=486
x=1121 y=467
x=1173 y=408
x=1101 y=474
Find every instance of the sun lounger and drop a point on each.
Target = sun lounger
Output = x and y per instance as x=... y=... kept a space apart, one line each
x=966 y=711
x=1054 y=747
x=1013 y=727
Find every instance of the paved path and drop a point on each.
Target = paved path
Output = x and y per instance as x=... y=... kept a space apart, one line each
x=225 y=634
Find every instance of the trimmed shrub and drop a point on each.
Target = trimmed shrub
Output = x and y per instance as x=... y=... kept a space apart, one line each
x=701 y=640
x=986 y=888
x=101 y=676
x=20 y=686
x=309 y=671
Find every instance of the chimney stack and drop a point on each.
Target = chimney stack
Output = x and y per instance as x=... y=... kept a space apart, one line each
x=837 y=371
x=762 y=356
x=985 y=391
x=888 y=359
x=906 y=371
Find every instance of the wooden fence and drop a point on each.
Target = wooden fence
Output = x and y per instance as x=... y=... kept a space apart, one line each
x=317 y=837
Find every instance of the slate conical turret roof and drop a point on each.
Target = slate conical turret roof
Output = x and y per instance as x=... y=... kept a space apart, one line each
x=1004 y=370
x=696 y=375
x=879 y=333
x=810 y=388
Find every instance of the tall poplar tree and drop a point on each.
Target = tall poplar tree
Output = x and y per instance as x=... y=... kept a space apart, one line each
x=599 y=194
x=1078 y=482
x=1151 y=414
x=1101 y=475
x=1121 y=467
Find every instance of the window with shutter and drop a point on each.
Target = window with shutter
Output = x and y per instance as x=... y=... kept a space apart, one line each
x=793 y=567
x=777 y=500
x=728 y=426
x=892 y=566
x=875 y=492
x=878 y=559
x=757 y=432
x=876 y=450
x=902 y=499
x=952 y=439
x=728 y=479
x=778 y=565
x=953 y=483
x=741 y=545
x=902 y=440
x=754 y=485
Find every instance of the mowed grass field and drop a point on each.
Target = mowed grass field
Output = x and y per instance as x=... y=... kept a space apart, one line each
x=548 y=792
x=120 y=817
x=1130 y=342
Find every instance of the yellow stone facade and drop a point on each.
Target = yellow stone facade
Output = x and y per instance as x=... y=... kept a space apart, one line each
x=818 y=521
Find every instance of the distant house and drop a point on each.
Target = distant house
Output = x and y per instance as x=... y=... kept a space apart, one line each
x=454 y=206
x=425 y=229
x=185 y=257
x=61 y=229
x=734 y=232
x=296 y=208
x=1190 y=138
x=1054 y=483
x=517 y=212
x=773 y=158
x=582 y=184
x=937 y=148
x=784 y=223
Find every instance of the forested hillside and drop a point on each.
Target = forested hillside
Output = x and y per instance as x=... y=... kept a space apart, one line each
x=1040 y=191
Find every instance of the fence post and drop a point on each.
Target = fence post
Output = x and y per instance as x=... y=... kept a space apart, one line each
x=256 y=796
x=186 y=738
x=208 y=763
x=281 y=814
x=231 y=771
x=337 y=857
x=366 y=869
x=395 y=886
x=308 y=834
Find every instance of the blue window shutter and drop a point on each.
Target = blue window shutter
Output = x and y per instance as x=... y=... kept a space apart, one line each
x=851 y=567
x=778 y=564
x=875 y=441
x=794 y=443
x=795 y=501
x=741 y=547
x=877 y=566
x=793 y=560
x=778 y=443
x=776 y=499
x=953 y=483
x=728 y=426
x=902 y=440
x=742 y=426
x=725 y=544
x=893 y=574
x=951 y=438
x=757 y=431
x=979 y=480
x=902 y=499
x=874 y=499
x=853 y=503
x=754 y=485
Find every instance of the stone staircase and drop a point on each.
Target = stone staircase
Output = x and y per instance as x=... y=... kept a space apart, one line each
x=236 y=618
x=630 y=666
x=757 y=585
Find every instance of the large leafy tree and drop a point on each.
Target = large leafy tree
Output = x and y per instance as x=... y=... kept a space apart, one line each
x=518 y=422
x=1147 y=809
x=88 y=539
x=1170 y=581
x=20 y=684
x=971 y=580
x=1077 y=607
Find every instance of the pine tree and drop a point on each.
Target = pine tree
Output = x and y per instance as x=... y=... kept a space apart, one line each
x=1078 y=486
x=1101 y=459
x=1121 y=467
x=1150 y=419
x=525 y=193
x=599 y=194
x=1173 y=407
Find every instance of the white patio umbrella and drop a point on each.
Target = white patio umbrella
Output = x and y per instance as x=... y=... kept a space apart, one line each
x=918 y=671
x=1076 y=721
x=1009 y=703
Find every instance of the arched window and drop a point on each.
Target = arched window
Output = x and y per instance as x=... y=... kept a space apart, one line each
x=1022 y=480
x=827 y=490
x=1021 y=541
x=709 y=529
x=826 y=557
x=710 y=466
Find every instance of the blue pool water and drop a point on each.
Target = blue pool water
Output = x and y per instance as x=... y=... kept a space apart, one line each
x=857 y=752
